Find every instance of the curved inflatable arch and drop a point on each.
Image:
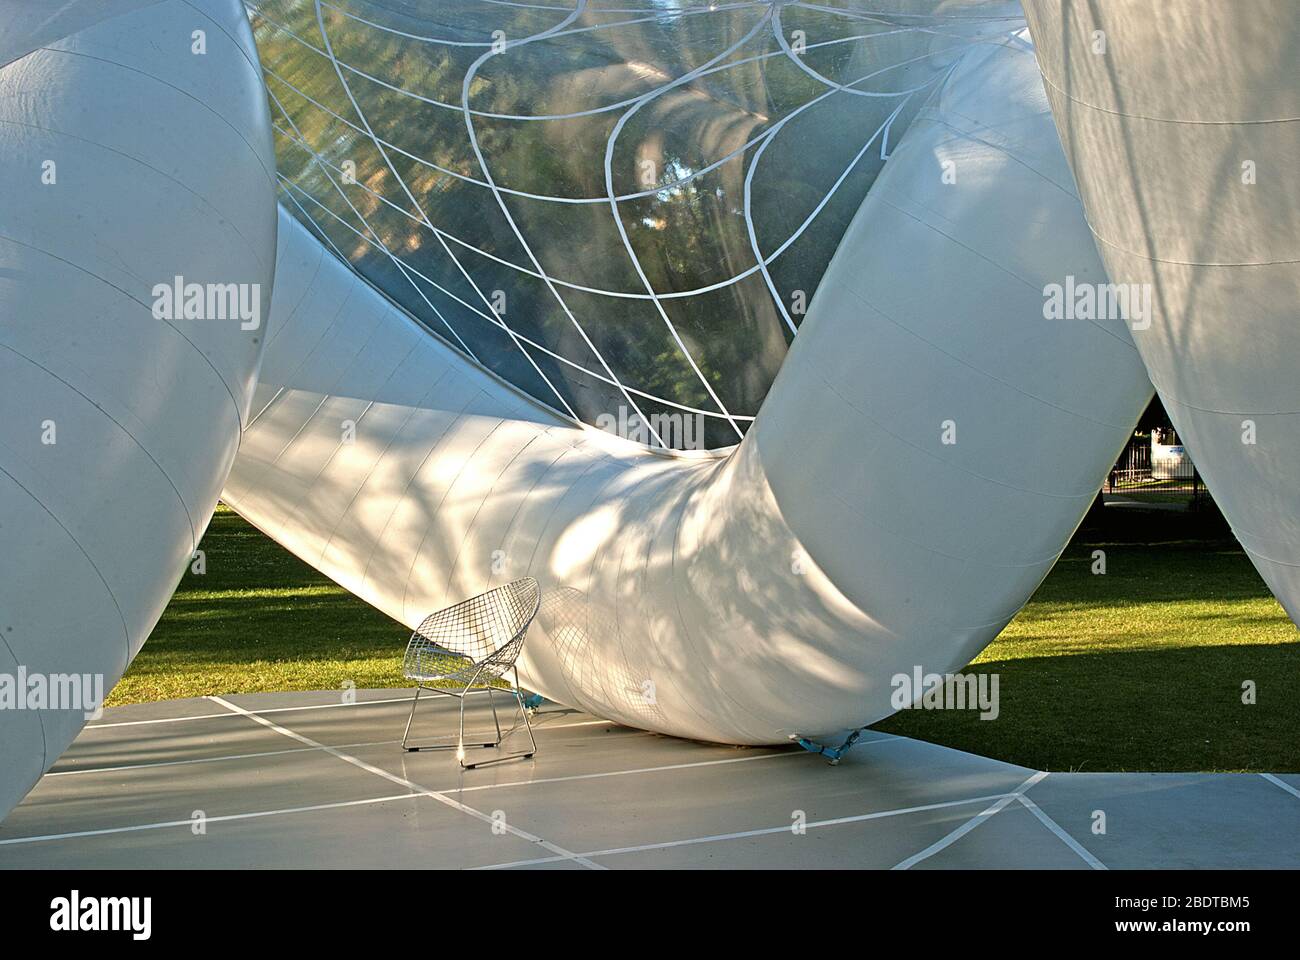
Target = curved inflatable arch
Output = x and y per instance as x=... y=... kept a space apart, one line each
x=772 y=590
x=127 y=161
x=1188 y=180
x=744 y=595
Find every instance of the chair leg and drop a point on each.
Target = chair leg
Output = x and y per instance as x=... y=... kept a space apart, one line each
x=407 y=732
x=519 y=705
x=459 y=746
x=527 y=723
x=460 y=740
x=495 y=719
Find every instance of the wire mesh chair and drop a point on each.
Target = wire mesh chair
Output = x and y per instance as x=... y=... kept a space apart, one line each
x=471 y=646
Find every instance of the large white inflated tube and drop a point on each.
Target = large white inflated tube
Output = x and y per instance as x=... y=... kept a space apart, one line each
x=775 y=590
x=28 y=24
x=130 y=154
x=1182 y=126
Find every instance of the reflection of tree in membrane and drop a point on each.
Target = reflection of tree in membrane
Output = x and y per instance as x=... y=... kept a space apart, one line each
x=574 y=627
x=619 y=205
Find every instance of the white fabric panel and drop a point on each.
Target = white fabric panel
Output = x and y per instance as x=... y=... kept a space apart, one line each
x=28 y=24
x=163 y=167
x=677 y=576
x=1157 y=129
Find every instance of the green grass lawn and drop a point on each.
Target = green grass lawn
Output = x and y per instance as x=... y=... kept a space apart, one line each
x=1139 y=669
x=261 y=619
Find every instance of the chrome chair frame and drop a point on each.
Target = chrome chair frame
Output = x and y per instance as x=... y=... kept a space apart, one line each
x=473 y=644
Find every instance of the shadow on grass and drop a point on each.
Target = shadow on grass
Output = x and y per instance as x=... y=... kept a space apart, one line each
x=1140 y=669
x=1174 y=709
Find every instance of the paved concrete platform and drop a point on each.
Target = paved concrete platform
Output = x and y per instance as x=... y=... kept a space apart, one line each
x=303 y=780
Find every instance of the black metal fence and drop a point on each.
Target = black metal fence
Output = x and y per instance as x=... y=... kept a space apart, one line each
x=1155 y=472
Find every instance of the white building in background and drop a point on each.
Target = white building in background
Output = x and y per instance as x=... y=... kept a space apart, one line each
x=1169 y=460
x=486 y=246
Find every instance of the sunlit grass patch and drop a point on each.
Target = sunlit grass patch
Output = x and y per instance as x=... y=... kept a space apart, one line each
x=1138 y=669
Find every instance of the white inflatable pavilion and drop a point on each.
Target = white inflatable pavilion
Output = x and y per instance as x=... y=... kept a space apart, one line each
x=487 y=247
x=127 y=161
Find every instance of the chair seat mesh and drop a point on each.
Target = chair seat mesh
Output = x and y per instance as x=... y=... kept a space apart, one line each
x=477 y=640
